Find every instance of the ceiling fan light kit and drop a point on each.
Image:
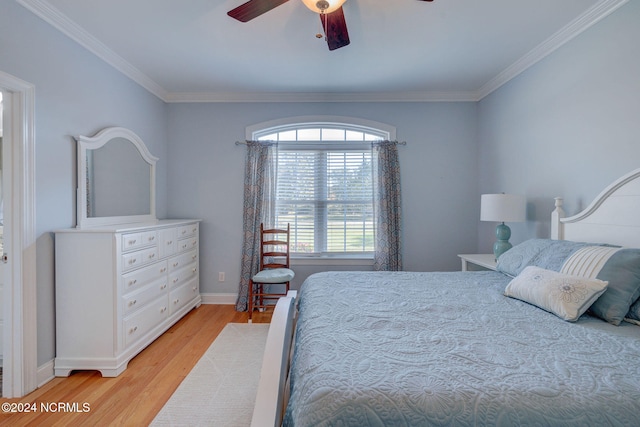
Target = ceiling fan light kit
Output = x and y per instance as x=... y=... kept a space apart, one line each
x=330 y=11
x=323 y=6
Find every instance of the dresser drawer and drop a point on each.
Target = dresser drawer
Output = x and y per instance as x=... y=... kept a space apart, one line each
x=187 y=230
x=150 y=255
x=132 y=260
x=135 y=300
x=180 y=296
x=168 y=242
x=137 y=279
x=133 y=241
x=145 y=319
x=177 y=277
x=180 y=261
x=186 y=244
x=149 y=238
x=139 y=258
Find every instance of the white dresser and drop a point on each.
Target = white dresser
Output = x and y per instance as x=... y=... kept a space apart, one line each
x=120 y=287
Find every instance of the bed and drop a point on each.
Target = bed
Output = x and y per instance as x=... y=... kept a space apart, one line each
x=552 y=338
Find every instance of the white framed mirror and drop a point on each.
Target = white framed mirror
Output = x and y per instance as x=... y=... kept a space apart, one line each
x=116 y=179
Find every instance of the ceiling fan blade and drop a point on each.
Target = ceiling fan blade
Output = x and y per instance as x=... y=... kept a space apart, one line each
x=253 y=9
x=335 y=29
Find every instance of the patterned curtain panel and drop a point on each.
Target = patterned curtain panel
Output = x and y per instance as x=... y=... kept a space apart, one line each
x=259 y=190
x=387 y=207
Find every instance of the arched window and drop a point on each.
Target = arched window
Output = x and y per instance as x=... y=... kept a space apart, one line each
x=325 y=185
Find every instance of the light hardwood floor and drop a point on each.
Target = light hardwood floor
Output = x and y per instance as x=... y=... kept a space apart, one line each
x=137 y=395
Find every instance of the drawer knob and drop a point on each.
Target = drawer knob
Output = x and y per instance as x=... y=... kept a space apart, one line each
x=175 y=264
x=132 y=303
x=132 y=330
x=163 y=287
x=132 y=242
x=133 y=282
x=152 y=256
x=132 y=261
x=163 y=309
x=163 y=269
x=152 y=238
x=176 y=301
x=175 y=280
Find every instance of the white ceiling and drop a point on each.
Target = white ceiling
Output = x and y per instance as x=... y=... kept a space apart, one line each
x=190 y=50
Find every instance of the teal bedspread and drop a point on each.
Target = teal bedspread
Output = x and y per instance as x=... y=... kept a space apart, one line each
x=441 y=349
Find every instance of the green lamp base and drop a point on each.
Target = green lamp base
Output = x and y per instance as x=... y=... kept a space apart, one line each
x=503 y=233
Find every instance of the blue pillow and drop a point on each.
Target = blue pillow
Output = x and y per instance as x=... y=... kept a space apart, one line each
x=634 y=311
x=622 y=271
x=544 y=253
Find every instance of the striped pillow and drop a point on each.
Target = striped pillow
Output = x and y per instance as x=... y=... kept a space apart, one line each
x=618 y=266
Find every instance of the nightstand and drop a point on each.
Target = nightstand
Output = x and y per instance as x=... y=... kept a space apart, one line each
x=473 y=262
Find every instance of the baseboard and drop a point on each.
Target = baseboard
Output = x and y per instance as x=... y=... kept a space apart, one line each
x=45 y=373
x=219 y=299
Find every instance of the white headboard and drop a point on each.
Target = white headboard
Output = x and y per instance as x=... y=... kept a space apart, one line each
x=613 y=217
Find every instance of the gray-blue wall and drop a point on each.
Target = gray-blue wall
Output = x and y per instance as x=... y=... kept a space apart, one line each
x=568 y=126
x=438 y=177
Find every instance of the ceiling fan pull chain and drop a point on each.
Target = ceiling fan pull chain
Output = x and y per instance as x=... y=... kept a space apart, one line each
x=325 y=25
x=319 y=34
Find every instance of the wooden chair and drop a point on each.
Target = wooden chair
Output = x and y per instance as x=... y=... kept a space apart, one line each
x=274 y=269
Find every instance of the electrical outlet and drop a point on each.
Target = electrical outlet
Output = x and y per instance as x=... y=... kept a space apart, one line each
x=221 y=276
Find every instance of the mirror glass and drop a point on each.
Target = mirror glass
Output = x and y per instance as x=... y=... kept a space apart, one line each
x=116 y=179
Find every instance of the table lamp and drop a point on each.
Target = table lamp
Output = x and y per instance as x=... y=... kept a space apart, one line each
x=502 y=208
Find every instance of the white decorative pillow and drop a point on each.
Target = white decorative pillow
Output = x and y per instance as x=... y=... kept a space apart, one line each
x=568 y=297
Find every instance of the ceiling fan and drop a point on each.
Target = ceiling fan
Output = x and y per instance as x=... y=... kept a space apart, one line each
x=331 y=16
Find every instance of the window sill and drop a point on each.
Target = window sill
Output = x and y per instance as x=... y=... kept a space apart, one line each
x=363 y=261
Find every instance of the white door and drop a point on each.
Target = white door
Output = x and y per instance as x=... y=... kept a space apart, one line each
x=1 y=237
x=20 y=362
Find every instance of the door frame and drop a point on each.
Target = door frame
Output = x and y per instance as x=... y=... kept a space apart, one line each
x=20 y=357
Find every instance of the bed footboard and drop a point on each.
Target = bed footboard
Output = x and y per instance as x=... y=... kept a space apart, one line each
x=271 y=398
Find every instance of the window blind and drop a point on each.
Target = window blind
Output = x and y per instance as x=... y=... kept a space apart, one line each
x=326 y=194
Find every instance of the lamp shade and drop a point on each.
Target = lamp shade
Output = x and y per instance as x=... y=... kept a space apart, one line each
x=323 y=6
x=503 y=208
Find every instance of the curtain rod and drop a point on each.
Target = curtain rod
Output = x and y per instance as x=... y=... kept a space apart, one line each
x=314 y=142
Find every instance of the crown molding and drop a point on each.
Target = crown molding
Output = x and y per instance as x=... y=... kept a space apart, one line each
x=417 y=96
x=593 y=15
x=65 y=25
x=54 y=17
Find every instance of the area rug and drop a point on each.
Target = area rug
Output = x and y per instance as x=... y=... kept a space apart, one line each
x=221 y=388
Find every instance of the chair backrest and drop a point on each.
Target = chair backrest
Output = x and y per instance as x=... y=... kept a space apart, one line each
x=274 y=247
